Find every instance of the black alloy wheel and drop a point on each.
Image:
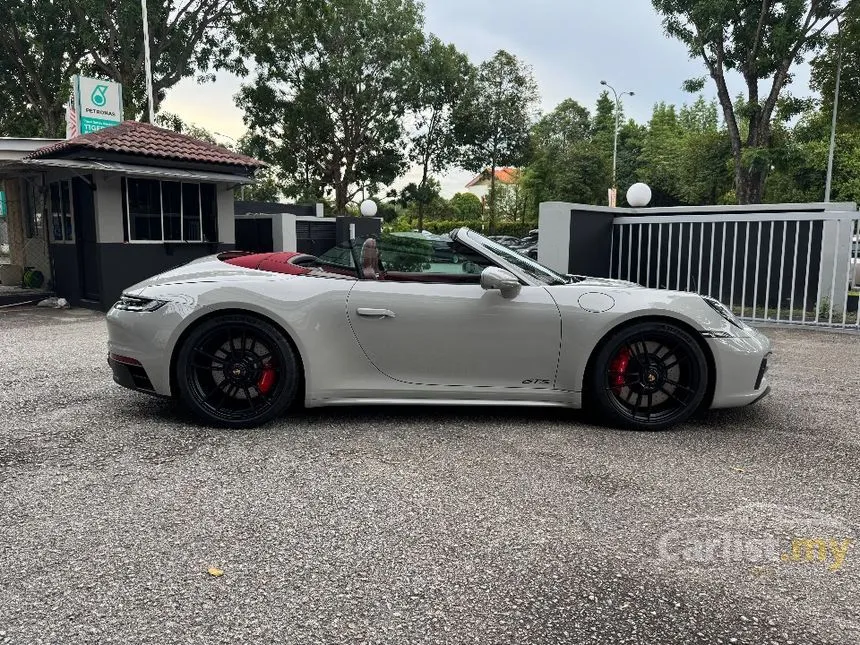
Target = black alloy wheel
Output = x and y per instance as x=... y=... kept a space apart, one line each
x=237 y=371
x=649 y=376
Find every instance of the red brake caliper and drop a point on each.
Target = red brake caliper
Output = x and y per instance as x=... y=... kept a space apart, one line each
x=267 y=379
x=618 y=368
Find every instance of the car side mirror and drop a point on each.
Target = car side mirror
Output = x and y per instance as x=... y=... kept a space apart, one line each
x=505 y=281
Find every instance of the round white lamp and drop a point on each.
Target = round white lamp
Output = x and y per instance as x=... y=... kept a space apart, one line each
x=368 y=208
x=639 y=195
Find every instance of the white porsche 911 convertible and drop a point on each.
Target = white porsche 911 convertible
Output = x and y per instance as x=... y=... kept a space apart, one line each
x=460 y=320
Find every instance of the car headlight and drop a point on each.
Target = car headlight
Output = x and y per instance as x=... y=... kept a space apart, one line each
x=134 y=303
x=724 y=311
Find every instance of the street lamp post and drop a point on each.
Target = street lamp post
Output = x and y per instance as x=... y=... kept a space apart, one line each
x=147 y=62
x=618 y=98
x=832 y=150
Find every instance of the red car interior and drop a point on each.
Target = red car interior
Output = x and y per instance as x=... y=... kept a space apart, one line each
x=293 y=263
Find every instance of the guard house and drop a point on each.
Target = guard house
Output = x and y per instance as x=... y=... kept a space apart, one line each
x=116 y=206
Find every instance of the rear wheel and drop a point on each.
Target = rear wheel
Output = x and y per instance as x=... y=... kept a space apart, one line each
x=237 y=371
x=649 y=376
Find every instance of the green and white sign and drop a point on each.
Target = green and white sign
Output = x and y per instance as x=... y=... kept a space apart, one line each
x=94 y=104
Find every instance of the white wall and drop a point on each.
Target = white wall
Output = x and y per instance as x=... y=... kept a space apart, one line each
x=226 y=214
x=108 y=204
x=554 y=235
x=109 y=210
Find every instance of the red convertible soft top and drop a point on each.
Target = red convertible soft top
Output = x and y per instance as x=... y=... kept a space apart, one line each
x=279 y=262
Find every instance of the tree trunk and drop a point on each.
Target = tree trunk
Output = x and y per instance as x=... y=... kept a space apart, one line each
x=492 y=218
x=340 y=198
x=54 y=121
x=420 y=215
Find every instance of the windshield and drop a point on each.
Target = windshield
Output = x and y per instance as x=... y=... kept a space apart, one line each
x=525 y=264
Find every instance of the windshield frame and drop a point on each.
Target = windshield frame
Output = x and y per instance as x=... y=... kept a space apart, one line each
x=527 y=270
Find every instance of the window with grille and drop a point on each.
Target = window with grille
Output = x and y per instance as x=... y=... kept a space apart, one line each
x=169 y=211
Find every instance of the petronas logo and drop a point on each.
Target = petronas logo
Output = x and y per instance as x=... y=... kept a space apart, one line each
x=98 y=96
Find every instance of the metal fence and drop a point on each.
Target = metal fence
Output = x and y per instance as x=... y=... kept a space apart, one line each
x=774 y=265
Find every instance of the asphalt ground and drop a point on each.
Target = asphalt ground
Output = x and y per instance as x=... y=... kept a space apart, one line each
x=417 y=525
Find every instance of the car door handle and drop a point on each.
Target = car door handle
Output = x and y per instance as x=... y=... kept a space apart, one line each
x=375 y=313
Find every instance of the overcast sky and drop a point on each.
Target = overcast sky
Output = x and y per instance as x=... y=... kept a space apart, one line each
x=571 y=45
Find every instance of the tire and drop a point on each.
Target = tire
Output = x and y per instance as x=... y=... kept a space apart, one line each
x=648 y=376
x=237 y=371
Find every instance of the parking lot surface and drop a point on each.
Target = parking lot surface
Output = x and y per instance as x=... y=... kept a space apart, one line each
x=417 y=525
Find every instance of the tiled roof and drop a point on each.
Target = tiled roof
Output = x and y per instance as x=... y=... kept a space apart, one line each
x=144 y=139
x=506 y=175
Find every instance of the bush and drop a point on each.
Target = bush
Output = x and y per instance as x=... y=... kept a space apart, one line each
x=516 y=229
x=445 y=226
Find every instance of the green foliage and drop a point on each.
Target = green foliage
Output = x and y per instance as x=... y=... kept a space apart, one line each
x=516 y=229
x=332 y=83
x=443 y=79
x=800 y=161
x=187 y=38
x=571 y=156
x=44 y=42
x=174 y=122
x=402 y=253
x=823 y=68
x=760 y=41
x=41 y=46
x=423 y=202
x=493 y=122
x=466 y=206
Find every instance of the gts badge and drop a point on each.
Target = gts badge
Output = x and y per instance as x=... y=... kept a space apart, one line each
x=536 y=381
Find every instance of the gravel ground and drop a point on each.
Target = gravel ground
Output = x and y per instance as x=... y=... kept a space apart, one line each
x=453 y=525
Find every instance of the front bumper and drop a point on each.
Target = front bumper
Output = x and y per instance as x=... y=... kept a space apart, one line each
x=139 y=349
x=741 y=369
x=130 y=373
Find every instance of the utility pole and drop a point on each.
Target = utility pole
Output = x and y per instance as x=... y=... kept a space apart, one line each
x=618 y=97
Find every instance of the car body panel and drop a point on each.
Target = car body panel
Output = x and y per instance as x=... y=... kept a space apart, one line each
x=458 y=334
x=445 y=342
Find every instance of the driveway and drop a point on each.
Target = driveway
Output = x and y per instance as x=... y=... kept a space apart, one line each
x=416 y=525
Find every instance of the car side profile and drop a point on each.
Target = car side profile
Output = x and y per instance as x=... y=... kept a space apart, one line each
x=239 y=338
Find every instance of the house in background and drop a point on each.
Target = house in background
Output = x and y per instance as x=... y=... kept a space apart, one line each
x=480 y=184
x=114 y=207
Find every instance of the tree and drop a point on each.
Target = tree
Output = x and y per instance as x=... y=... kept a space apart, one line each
x=171 y=121
x=466 y=206
x=800 y=167
x=187 y=37
x=443 y=77
x=44 y=42
x=661 y=161
x=41 y=47
x=332 y=84
x=760 y=40
x=424 y=198
x=823 y=77
x=511 y=202
x=265 y=188
x=685 y=155
x=568 y=163
x=494 y=122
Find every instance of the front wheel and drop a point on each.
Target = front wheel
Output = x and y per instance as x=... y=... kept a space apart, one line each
x=648 y=377
x=236 y=371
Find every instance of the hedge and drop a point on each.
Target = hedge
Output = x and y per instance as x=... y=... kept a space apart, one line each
x=515 y=229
